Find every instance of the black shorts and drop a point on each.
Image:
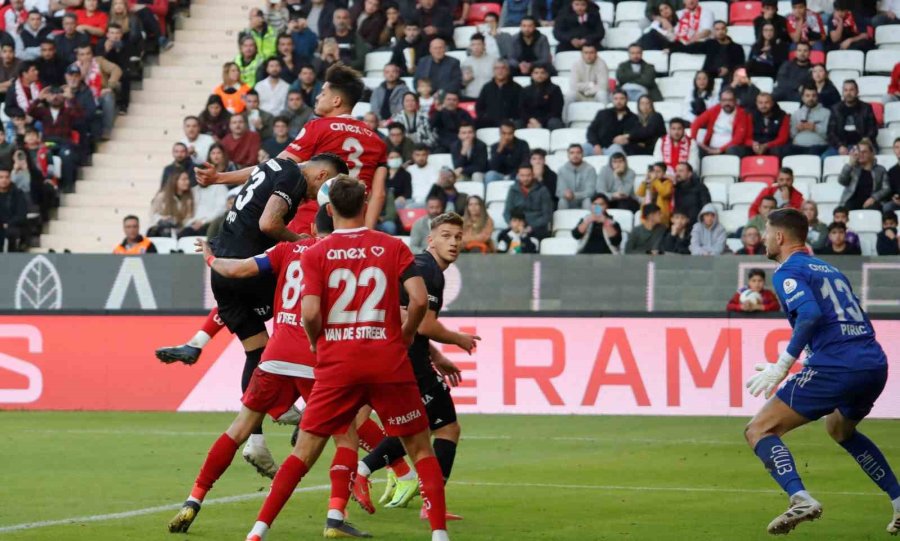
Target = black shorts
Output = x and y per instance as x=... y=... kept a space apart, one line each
x=244 y=304
x=437 y=400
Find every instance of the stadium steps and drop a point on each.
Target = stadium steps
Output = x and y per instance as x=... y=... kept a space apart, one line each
x=125 y=171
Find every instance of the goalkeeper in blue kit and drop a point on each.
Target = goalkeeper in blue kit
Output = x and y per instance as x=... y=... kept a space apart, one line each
x=844 y=372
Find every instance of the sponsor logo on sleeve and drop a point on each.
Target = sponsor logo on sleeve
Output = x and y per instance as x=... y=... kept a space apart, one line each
x=790 y=285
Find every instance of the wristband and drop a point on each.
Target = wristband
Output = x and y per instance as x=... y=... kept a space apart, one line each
x=209 y=260
x=786 y=360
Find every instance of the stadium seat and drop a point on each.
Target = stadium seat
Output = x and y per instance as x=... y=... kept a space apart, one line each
x=720 y=166
x=623 y=217
x=630 y=12
x=548 y=33
x=784 y=7
x=459 y=55
x=805 y=166
x=845 y=60
x=522 y=80
x=718 y=9
x=559 y=246
x=462 y=35
x=684 y=63
x=582 y=112
x=878 y=111
x=742 y=35
x=597 y=162
x=495 y=211
x=607 y=13
x=759 y=169
x=659 y=59
x=621 y=38
x=742 y=208
x=360 y=109
x=732 y=220
x=826 y=192
x=868 y=243
x=826 y=212
x=639 y=164
x=886 y=160
x=470 y=188
x=832 y=166
x=815 y=57
x=497 y=191
x=744 y=193
x=469 y=107
x=674 y=88
x=164 y=245
x=535 y=137
x=892 y=114
x=881 y=62
x=488 y=136
x=567 y=219
x=669 y=109
x=733 y=244
x=186 y=245
x=405 y=240
x=613 y=59
x=373 y=82
x=718 y=192
x=563 y=234
x=764 y=84
x=561 y=139
x=865 y=221
x=376 y=61
x=562 y=83
x=839 y=76
x=410 y=216
x=887 y=36
x=477 y=12
x=564 y=61
x=743 y=13
x=789 y=107
x=886 y=137
x=511 y=30
x=802 y=186
x=873 y=87
x=441 y=160
x=556 y=160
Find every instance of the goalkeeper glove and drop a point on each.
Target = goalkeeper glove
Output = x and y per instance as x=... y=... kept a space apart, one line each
x=770 y=375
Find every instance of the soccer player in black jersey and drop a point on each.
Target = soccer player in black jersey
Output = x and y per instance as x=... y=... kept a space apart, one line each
x=430 y=368
x=258 y=220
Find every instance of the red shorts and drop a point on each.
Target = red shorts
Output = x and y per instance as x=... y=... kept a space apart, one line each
x=331 y=409
x=275 y=394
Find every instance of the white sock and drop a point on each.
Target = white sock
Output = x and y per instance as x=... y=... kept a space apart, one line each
x=804 y=495
x=257 y=440
x=200 y=339
x=896 y=505
x=335 y=514
x=410 y=475
x=362 y=469
x=440 y=535
x=260 y=529
x=195 y=500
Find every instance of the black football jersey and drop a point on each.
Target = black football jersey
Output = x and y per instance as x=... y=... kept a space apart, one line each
x=240 y=236
x=434 y=282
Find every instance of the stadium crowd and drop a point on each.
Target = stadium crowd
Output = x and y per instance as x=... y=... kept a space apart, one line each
x=568 y=126
x=66 y=68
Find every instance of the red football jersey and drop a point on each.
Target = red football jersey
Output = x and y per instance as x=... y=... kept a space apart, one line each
x=288 y=342
x=357 y=274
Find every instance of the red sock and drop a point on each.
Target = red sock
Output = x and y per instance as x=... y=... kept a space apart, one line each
x=342 y=467
x=400 y=467
x=217 y=461
x=431 y=481
x=286 y=480
x=213 y=323
x=370 y=435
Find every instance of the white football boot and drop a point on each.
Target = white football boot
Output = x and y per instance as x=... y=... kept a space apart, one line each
x=801 y=509
x=258 y=455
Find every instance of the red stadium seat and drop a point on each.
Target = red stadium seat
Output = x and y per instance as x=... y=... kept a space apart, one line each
x=477 y=12
x=878 y=109
x=815 y=57
x=409 y=216
x=612 y=85
x=469 y=107
x=759 y=169
x=743 y=13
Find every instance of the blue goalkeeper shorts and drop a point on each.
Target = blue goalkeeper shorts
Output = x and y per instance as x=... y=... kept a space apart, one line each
x=814 y=393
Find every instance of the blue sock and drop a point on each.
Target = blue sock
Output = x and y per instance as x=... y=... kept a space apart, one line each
x=870 y=459
x=779 y=463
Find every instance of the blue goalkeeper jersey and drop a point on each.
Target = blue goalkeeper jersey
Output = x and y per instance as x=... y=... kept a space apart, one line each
x=842 y=338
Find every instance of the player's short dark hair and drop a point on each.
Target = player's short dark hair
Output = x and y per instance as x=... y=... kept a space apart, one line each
x=333 y=160
x=347 y=82
x=324 y=222
x=517 y=214
x=678 y=120
x=770 y=198
x=649 y=209
x=396 y=126
x=837 y=225
x=347 y=196
x=757 y=272
x=840 y=210
x=451 y=218
x=574 y=145
x=538 y=152
x=790 y=220
x=131 y=217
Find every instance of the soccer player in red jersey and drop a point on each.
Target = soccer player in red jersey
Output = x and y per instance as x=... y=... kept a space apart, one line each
x=351 y=312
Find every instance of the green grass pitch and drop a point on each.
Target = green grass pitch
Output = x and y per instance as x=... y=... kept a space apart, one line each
x=516 y=478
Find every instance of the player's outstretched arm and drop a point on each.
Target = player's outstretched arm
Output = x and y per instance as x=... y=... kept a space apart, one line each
x=230 y=268
x=207 y=175
x=272 y=223
x=415 y=310
x=435 y=330
x=376 y=197
x=311 y=313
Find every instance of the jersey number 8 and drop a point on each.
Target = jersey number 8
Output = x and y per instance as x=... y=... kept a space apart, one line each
x=367 y=312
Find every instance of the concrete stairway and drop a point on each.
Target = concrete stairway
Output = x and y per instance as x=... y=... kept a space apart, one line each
x=126 y=171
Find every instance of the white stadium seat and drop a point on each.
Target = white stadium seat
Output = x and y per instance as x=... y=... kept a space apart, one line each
x=630 y=12
x=360 y=109
x=164 y=245
x=865 y=221
x=186 y=245
x=561 y=139
x=556 y=160
x=462 y=35
x=563 y=234
x=659 y=59
x=376 y=61
x=405 y=240
x=718 y=192
x=827 y=192
x=470 y=188
x=639 y=164
x=734 y=244
x=522 y=80
x=373 y=82
x=764 y=84
x=732 y=220
x=742 y=35
x=559 y=246
x=892 y=114
x=565 y=60
x=802 y=186
x=686 y=64
x=887 y=34
x=567 y=219
x=886 y=136
x=582 y=111
x=623 y=217
x=669 y=109
x=613 y=59
x=845 y=60
x=868 y=243
x=607 y=13
x=562 y=83
x=805 y=166
x=675 y=88
x=621 y=38
x=886 y=160
x=873 y=87
x=719 y=10
x=495 y=211
x=488 y=136
x=548 y=33
x=535 y=137
x=784 y=7
x=511 y=30
x=789 y=107
x=597 y=162
x=459 y=55
x=497 y=191
x=441 y=160
x=744 y=192
x=832 y=166
x=826 y=212
x=721 y=166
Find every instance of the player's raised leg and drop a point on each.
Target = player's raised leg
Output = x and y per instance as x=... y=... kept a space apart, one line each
x=763 y=434
x=869 y=457
x=189 y=353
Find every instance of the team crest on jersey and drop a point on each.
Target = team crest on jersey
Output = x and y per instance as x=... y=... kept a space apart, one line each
x=377 y=250
x=790 y=285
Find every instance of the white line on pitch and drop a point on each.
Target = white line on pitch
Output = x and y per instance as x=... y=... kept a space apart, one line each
x=142 y=512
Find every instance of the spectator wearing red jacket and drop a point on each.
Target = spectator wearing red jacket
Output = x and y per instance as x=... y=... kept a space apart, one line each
x=241 y=144
x=783 y=191
x=91 y=20
x=893 y=92
x=770 y=129
x=763 y=301
x=728 y=127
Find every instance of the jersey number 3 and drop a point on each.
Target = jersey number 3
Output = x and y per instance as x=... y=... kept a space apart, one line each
x=257 y=176
x=355 y=149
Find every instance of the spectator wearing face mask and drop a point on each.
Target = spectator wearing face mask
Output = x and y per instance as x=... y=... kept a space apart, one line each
x=598 y=231
x=888 y=242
